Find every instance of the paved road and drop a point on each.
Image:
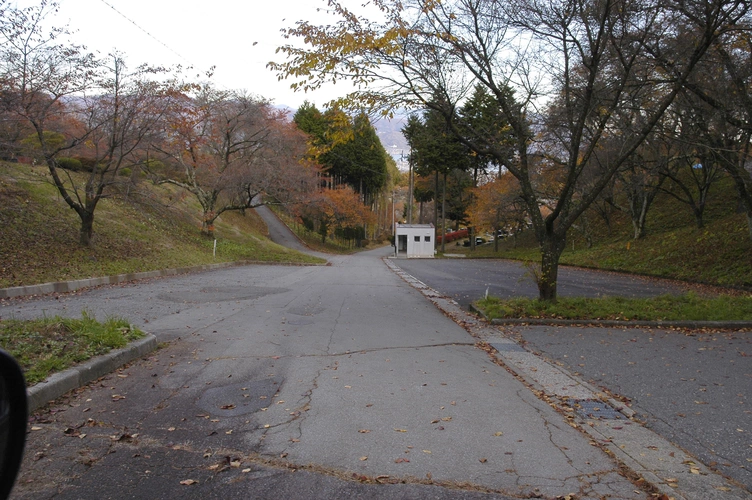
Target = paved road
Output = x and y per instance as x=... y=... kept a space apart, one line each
x=343 y=373
x=694 y=388
x=280 y=233
x=466 y=280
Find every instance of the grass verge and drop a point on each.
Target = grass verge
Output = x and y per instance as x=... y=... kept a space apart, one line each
x=687 y=307
x=48 y=345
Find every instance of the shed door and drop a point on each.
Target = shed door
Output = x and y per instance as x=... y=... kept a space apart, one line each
x=402 y=243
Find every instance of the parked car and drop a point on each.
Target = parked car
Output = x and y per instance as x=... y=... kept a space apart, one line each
x=479 y=240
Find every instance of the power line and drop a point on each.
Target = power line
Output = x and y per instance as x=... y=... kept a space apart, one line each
x=134 y=23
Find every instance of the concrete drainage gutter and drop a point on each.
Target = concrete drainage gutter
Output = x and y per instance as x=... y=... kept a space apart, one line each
x=77 y=376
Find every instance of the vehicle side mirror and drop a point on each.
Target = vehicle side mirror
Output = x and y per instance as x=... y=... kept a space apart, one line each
x=13 y=419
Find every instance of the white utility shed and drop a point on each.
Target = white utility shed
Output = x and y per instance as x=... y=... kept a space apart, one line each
x=415 y=240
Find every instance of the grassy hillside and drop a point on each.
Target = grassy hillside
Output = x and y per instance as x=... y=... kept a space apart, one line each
x=157 y=228
x=720 y=253
x=150 y=228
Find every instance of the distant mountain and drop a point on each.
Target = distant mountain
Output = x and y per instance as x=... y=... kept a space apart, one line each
x=390 y=134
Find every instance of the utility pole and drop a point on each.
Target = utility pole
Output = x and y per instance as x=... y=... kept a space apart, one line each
x=411 y=187
x=394 y=221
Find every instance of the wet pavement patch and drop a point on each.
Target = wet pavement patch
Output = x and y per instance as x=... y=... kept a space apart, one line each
x=596 y=410
x=221 y=294
x=239 y=399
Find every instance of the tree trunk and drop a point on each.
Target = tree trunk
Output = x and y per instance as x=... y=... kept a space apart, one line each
x=638 y=215
x=698 y=217
x=742 y=181
x=207 y=226
x=639 y=230
x=443 y=214
x=551 y=249
x=436 y=206
x=87 y=228
x=410 y=194
x=639 y=222
x=85 y=211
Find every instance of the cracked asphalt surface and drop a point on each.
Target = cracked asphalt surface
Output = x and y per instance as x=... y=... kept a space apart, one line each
x=336 y=381
x=692 y=387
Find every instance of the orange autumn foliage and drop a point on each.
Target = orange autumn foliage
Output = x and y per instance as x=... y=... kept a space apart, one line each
x=338 y=208
x=497 y=204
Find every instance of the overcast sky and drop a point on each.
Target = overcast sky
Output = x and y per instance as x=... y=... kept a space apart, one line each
x=219 y=33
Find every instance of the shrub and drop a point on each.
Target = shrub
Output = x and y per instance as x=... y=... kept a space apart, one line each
x=72 y=164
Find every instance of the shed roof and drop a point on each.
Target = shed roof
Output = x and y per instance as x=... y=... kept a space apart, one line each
x=415 y=226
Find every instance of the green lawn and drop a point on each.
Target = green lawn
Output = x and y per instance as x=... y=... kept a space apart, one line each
x=687 y=307
x=49 y=345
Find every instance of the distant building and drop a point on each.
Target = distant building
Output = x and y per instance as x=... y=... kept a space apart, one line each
x=415 y=240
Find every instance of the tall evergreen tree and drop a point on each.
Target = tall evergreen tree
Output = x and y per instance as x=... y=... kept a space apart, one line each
x=349 y=149
x=360 y=161
x=481 y=119
x=436 y=151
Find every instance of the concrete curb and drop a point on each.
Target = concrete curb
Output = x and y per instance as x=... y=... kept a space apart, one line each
x=69 y=286
x=722 y=325
x=616 y=323
x=77 y=376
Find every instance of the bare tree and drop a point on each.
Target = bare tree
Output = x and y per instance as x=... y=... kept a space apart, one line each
x=728 y=92
x=118 y=123
x=691 y=165
x=74 y=104
x=228 y=149
x=640 y=179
